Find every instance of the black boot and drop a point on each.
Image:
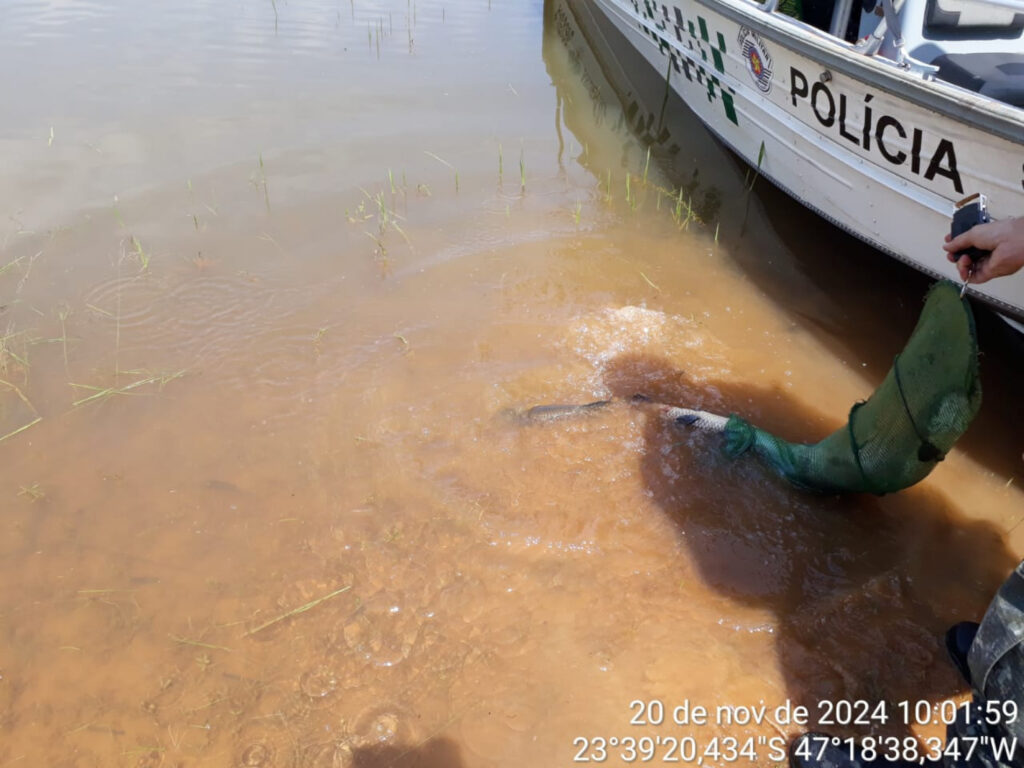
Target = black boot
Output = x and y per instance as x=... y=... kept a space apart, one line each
x=959 y=638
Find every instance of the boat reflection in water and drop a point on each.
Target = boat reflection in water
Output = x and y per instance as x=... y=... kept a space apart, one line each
x=816 y=272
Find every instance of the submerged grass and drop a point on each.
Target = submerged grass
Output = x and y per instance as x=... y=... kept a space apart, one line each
x=32 y=492
x=102 y=393
x=140 y=253
x=192 y=200
x=445 y=162
x=28 y=404
x=62 y=314
x=263 y=179
x=198 y=644
x=11 y=361
x=757 y=170
x=650 y=282
x=296 y=611
x=15 y=262
x=641 y=190
x=387 y=218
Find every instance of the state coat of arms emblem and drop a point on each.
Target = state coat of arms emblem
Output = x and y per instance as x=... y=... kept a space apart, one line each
x=758 y=60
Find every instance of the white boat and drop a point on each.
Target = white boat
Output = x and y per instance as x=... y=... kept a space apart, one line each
x=877 y=114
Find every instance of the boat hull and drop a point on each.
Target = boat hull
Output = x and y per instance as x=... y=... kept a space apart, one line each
x=874 y=149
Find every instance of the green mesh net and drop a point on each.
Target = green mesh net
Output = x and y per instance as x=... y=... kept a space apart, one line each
x=926 y=402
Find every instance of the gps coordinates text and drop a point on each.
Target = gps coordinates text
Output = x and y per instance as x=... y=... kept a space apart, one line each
x=632 y=745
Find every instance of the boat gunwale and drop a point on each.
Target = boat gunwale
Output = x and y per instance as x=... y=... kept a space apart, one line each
x=949 y=101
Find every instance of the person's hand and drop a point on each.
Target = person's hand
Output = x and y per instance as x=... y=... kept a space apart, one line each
x=1005 y=239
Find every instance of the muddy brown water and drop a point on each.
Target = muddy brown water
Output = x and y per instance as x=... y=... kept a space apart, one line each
x=272 y=273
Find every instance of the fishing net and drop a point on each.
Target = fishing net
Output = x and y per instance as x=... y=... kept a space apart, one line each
x=926 y=402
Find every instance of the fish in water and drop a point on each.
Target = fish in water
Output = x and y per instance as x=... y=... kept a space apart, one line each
x=684 y=417
x=702 y=420
x=542 y=413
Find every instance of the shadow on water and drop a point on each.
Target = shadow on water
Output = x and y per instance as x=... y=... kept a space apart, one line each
x=858 y=302
x=436 y=753
x=862 y=588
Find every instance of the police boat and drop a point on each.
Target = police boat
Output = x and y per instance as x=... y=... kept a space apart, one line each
x=880 y=115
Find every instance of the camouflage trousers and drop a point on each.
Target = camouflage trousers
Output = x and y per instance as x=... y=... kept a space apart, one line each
x=989 y=731
x=994 y=725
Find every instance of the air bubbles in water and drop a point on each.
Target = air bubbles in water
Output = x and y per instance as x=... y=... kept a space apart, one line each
x=256 y=756
x=382 y=632
x=319 y=683
x=383 y=725
x=335 y=754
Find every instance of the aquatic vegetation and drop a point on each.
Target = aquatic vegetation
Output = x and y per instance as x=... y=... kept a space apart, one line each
x=192 y=201
x=650 y=282
x=749 y=180
x=17 y=261
x=444 y=162
x=33 y=492
x=102 y=393
x=198 y=643
x=11 y=361
x=386 y=218
x=35 y=418
x=63 y=312
x=263 y=183
x=140 y=253
x=296 y=611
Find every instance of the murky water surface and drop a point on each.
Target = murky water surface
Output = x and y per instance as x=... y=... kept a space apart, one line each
x=273 y=275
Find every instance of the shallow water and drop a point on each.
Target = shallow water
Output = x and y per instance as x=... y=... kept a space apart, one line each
x=272 y=276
